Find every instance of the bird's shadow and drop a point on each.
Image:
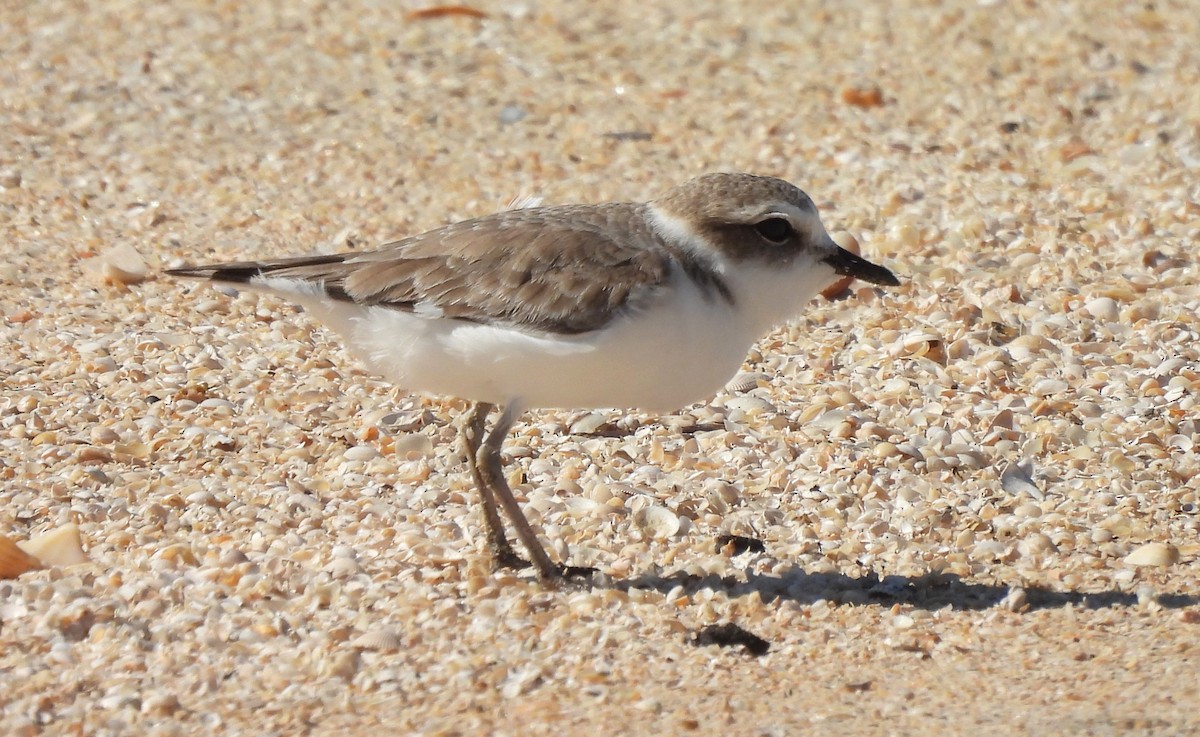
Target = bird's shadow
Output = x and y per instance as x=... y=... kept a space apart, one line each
x=929 y=591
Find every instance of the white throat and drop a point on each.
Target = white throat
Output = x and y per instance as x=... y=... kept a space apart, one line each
x=765 y=295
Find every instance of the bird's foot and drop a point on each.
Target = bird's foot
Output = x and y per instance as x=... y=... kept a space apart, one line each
x=578 y=573
x=503 y=556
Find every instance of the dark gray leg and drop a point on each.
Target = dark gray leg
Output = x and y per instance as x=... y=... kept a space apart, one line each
x=473 y=431
x=490 y=475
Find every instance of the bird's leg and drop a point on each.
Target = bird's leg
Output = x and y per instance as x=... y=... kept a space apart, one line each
x=472 y=431
x=491 y=474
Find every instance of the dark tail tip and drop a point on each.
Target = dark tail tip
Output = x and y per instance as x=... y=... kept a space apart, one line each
x=236 y=273
x=240 y=272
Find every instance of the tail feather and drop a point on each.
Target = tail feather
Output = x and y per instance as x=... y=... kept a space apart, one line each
x=241 y=272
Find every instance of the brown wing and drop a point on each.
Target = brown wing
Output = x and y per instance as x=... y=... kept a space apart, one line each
x=554 y=269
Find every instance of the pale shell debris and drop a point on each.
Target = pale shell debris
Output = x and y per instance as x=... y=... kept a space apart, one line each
x=361 y=453
x=412 y=446
x=749 y=404
x=1016 y=600
x=1103 y=308
x=121 y=264
x=658 y=521
x=745 y=381
x=62 y=546
x=383 y=638
x=589 y=423
x=1154 y=555
x=1016 y=480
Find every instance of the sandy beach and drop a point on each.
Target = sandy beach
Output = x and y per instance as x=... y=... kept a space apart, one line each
x=977 y=494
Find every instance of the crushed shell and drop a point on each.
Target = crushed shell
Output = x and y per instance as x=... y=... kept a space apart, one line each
x=14 y=561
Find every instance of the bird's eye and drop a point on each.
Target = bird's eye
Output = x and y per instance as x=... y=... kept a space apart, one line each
x=775 y=230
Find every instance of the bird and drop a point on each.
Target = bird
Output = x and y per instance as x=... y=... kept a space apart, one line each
x=649 y=306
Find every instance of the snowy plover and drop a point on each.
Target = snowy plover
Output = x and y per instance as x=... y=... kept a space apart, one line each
x=638 y=305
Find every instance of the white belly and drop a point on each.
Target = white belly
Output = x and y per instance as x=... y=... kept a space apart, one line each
x=681 y=349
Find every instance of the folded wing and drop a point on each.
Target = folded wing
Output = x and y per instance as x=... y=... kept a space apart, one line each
x=555 y=270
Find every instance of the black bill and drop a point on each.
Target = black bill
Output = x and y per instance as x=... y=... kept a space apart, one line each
x=847 y=264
